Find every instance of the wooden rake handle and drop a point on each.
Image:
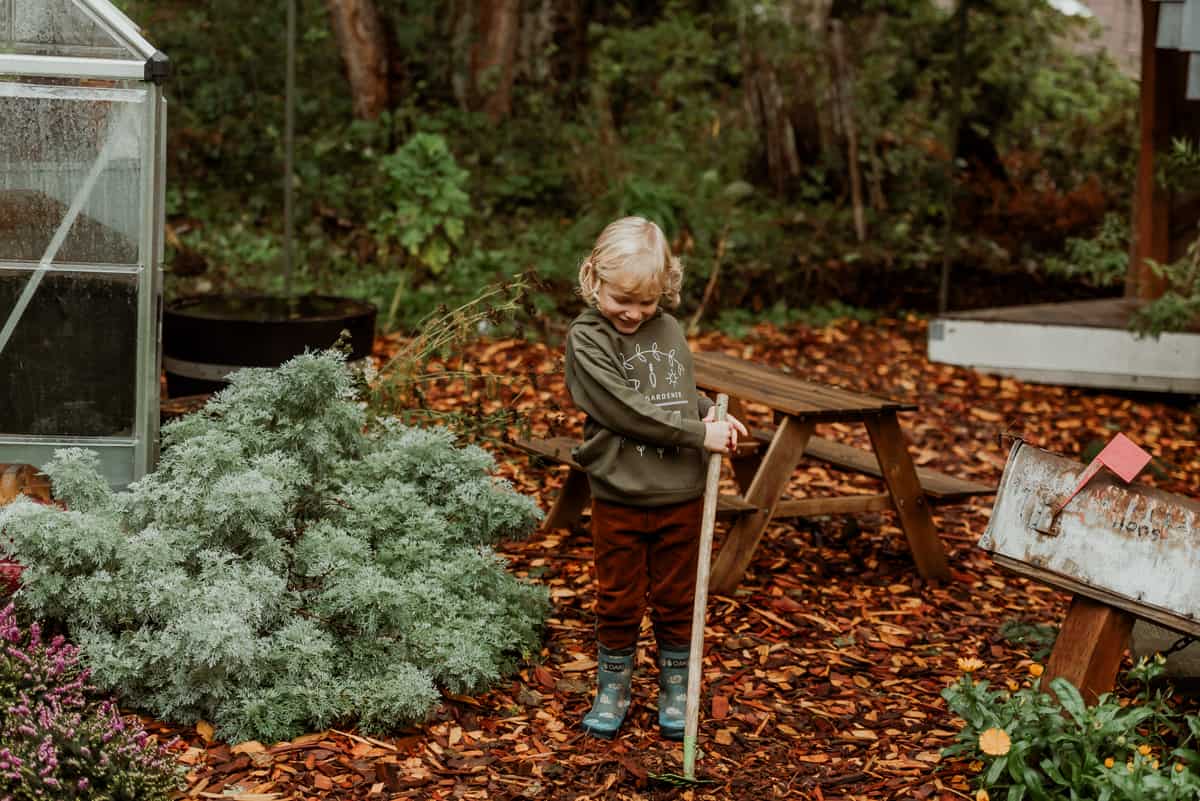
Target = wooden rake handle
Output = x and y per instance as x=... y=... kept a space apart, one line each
x=696 y=655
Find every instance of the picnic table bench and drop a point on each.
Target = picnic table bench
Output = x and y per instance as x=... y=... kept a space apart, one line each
x=764 y=466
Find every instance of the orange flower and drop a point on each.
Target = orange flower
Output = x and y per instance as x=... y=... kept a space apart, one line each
x=995 y=742
x=1012 y=685
x=1144 y=749
x=982 y=795
x=1108 y=763
x=970 y=664
x=1036 y=670
x=1179 y=767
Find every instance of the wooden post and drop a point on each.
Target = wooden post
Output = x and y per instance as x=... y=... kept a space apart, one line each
x=905 y=488
x=1089 y=647
x=784 y=453
x=1151 y=206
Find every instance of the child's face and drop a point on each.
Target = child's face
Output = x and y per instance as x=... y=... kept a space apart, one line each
x=626 y=307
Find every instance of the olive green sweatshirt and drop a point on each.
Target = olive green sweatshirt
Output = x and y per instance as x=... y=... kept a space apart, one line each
x=643 y=437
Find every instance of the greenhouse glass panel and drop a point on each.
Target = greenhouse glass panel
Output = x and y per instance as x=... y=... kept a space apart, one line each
x=65 y=147
x=82 y=132
x=58 y=28
x=70 y=365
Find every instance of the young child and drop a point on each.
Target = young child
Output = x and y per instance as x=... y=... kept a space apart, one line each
x=646 y=439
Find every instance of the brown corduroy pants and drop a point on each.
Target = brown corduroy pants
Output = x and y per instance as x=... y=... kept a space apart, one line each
x=645 y=554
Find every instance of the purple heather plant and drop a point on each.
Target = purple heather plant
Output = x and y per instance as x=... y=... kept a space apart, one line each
x=57 y=740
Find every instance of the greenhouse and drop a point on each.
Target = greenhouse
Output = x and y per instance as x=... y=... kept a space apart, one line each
x=82 y=131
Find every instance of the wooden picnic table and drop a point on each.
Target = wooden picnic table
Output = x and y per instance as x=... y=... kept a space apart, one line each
x=763 y=467
x=799 y=406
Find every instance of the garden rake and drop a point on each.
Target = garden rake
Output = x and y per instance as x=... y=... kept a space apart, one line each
x=696 y=657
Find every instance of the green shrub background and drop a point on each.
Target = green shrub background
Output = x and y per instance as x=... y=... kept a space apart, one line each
x=642 y=107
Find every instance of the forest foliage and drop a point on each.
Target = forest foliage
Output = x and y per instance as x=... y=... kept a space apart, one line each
x=799 y=148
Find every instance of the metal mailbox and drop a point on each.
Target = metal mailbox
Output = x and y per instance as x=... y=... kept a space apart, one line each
x=1131 y=547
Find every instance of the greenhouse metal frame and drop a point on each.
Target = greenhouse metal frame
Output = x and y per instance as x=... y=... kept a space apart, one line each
x=82 y=184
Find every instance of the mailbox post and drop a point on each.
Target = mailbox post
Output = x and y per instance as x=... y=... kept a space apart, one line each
x=1124 y=551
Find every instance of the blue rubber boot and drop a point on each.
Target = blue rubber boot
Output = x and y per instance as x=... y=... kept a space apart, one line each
x=672 y=692
x=614 y=674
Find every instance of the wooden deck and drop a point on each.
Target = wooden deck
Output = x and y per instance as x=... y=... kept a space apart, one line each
x=1081 y=343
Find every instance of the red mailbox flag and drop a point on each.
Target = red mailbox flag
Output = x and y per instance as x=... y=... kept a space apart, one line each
x=1122 y=456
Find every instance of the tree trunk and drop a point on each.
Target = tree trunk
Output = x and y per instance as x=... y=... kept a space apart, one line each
x=765 y=101
x=361 y=39
x=843 y=80
x=493 y=56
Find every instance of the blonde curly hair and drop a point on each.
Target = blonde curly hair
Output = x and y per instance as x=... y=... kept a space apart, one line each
x=634 y=253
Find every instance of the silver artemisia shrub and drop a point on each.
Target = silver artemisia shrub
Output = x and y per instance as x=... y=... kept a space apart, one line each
x=289 y=565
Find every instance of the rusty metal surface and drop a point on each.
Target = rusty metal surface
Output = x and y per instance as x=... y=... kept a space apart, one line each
x=1131 y=541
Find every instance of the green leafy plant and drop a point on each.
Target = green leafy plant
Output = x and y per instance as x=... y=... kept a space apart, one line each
x=1054 y=747
x=427 y=206
x=289 y=565
x=1101 y=260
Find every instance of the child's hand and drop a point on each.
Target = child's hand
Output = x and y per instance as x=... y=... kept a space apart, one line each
x=736 y=427
x=718 y=436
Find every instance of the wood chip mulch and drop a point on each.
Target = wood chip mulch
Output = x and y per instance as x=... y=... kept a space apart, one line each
x=823 y=670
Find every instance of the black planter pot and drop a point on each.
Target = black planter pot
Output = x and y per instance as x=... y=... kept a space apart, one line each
x=208 y=337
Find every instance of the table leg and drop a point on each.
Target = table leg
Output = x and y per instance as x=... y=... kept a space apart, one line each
x=1089 y=647
x=911 y=506
x=746 y=460
x=770 y=482
x=571 y=501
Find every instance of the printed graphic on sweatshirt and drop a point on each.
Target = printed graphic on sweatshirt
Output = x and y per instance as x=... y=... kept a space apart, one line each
x=656 y=374
x=648 y=368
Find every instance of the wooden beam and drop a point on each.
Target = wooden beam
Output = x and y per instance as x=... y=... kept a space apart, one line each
x=841 y=505
x=575 y=494
x=1089 y=647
